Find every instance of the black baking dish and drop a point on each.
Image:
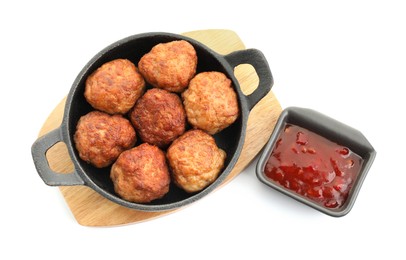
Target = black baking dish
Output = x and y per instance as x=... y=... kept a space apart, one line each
x=133 y=48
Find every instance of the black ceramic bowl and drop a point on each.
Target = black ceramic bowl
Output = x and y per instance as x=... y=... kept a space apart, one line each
x=332 y=130
x=133 y=48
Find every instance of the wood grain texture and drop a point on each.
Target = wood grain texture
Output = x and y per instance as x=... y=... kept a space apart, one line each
x=91 y=209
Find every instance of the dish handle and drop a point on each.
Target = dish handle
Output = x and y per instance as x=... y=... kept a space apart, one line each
x=257 y=59
x=50 y=177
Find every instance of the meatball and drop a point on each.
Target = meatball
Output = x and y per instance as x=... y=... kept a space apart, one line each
x=114 y=87
x=169 y=65
x=159 y=117
x=100 y=137
x=141 y=174
x=210 y=102
x=195 y=160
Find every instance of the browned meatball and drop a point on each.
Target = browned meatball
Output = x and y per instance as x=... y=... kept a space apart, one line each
x=159 y=117
x=141 y=174
x=169 y=65
x=195 y=160
x=100 y=137
x=114 y=87
x=210 y=102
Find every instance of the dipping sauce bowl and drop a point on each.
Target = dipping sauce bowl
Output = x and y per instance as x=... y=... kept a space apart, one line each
x=316 y=160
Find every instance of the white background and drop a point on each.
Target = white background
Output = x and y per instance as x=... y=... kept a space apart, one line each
x=346 y=59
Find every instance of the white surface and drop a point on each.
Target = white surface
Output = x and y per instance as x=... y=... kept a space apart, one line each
x=346 y=59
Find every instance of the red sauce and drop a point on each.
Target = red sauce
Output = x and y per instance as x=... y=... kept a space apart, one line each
x=313 y=166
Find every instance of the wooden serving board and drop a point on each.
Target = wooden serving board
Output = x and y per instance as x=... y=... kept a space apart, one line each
x=91 y=209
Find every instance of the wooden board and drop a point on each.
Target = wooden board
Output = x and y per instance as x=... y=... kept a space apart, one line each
x=91 y=209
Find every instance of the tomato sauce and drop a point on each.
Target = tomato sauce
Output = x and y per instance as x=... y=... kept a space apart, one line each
x=313 y=166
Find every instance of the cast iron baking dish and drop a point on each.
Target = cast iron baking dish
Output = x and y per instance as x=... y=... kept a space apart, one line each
x=133 y=48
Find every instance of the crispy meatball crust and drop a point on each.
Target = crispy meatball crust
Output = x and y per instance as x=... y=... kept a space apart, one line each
x=100 y=137
x=195 y=160
x=114 y=87
x=210 y=102
x=141 y=174
x=159 y=117
x=169 y=65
